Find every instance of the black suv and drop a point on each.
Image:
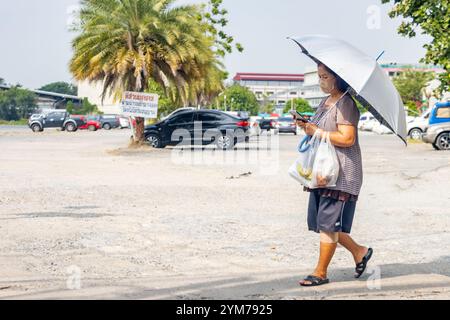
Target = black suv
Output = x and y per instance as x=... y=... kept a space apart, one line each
x=54 y=119
x=198 y=126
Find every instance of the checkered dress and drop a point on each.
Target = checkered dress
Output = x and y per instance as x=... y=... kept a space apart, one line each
x=350 y=177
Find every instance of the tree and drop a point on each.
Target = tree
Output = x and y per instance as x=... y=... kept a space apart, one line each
x=85 y=108
x=239 y=98
x=61 y=87
x=433 y=18
x=410 y=84
x=268 y=107
x=126 y=43
x=216 y=20
x=300 y=104
x=16 y=103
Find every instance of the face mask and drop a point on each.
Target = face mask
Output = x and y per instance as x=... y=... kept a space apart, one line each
x=326 y=87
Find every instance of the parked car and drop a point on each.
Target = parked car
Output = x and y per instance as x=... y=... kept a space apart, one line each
x=255 y=129
x=380 y=128
x=216 y=127
x=176 y=111
x=417 y=126
x=268 y=124
x=438 y=135
x=92 y=123
x=239 y=114
x=286 y=125
x=364 y=118
x=110 y=121
x=54 y=119
x=369 y=124
x=440 y=113
x=125 y=122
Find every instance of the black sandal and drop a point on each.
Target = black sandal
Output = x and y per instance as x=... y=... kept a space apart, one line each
x=361 y=267
x=314 y=281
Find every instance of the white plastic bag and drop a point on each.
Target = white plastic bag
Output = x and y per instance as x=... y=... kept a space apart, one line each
x=326 y=165
x=302 y=168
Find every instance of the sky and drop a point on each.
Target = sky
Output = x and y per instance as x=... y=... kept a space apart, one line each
x=35 y=42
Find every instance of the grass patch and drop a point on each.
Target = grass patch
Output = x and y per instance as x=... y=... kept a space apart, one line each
x=413 y=141
x=21 y=122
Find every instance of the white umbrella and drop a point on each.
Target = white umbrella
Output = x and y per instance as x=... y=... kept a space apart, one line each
x=371 y=85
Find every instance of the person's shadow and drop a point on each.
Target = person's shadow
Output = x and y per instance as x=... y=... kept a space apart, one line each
x=283 y=287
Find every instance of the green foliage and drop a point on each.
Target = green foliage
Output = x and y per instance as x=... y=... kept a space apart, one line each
x=125 y=44
x=61 y=87
x=166 y=104
x=300 y=104
x=433 y=18
x=410 y=84
x=413 y=109
x=85 y=108
x=16 y=103
x=217 y=20
x=239 y=98
x=20 y=122
x=268 y=107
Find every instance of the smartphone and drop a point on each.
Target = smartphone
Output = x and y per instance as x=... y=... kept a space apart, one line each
x=298 y=116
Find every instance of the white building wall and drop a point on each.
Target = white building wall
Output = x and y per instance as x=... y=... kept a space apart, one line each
x=93 y=91
x=313 y=94
x=278 y=92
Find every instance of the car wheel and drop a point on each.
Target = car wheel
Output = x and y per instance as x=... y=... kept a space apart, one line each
x=92 y=128
x=225 y=142
x=443 y=141
x=36 y=128
x=415 y=134
x=107 y=126
x=70 y=127
x=154 y=140
x=435 y=146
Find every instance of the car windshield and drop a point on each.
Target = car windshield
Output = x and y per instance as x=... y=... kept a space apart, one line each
x=286 y=119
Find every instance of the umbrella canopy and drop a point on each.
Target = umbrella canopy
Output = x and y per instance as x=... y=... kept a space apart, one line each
x=370 y=85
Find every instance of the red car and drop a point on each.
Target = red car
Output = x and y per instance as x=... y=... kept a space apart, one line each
x=91 y=122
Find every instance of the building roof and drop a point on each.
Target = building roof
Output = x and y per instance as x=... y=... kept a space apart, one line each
x=47 y=94
x=268 y=77
x=398 y=67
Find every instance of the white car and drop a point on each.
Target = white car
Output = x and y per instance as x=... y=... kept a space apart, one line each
x=124 y=123
x=254 y=130
x=365 y=117
x=380 y=129
x=368 y=125
x=417 y=126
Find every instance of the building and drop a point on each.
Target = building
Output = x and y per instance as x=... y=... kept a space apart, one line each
x=314 y=95
x=277 y=88
x=394 y=69
x=311 y=87
x=93 y=92
x=50 y=100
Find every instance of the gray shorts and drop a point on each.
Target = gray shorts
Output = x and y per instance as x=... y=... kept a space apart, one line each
x=329 y=215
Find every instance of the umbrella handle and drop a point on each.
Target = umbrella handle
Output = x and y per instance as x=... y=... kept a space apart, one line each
x=304 y=144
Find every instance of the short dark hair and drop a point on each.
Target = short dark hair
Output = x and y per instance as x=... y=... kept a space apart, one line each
x=340 y=83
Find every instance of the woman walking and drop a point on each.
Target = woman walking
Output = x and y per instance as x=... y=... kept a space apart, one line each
x=331 y=209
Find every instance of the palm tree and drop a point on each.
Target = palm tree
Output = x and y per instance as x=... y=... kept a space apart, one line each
x=125 y=43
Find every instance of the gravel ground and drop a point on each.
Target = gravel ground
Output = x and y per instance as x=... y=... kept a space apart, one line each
x=83 y=216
